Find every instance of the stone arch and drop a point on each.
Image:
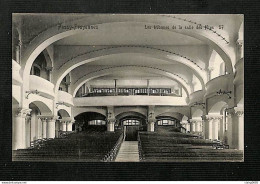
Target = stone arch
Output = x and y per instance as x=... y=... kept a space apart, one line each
x=77 y=111
x=181 y=110
x=138 y=110
x=175 y=115
x=103 y=72
x=63 y=113
x=217 y=107
x=130 y=113
x=43 y=107
x=197 y=113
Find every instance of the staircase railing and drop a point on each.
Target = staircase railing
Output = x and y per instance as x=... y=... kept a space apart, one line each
x=140 y=150
x=111 y=155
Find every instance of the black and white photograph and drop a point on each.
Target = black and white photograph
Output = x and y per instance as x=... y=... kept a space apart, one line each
x=127 y=87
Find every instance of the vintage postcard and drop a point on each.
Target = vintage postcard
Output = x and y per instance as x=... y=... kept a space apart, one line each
x=128 y=87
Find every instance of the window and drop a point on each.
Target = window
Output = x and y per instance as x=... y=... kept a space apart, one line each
x=97 y=122
x=131 y=122
x=166 y=122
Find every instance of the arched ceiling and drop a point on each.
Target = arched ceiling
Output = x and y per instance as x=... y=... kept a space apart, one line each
x=166 y=50
x=57 y=30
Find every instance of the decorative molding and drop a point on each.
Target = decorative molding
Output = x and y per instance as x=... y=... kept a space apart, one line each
x=238 y=111
x=23 y=112
x=195 y=120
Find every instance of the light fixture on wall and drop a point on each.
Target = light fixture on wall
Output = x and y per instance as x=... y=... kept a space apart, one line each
x=198 y=104
x=220 y=92
x=32 y=92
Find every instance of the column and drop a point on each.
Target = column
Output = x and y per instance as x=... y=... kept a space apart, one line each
x=229 y=127
x=57 y=128
x=69 y=126
x=44 y=127
x=150 y=125
x=215 y=123
x=111 y=125
x=203 y=129
x=51 y=127
x=208 y=126
x=28 y=131
x=197 y=126
x=19 y=139
x=187 y=127
x=151 y=118
x=237 y=127
x=221 y=128
x=39 y=128
x=192 y=126
x=64 y=126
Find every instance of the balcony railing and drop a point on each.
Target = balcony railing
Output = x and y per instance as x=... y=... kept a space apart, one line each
x=66 y=98
x=43 y=86
x=196 y=96
x=130 y=92
x=216 y=84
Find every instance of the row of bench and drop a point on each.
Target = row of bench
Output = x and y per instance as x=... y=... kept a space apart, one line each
x=84 y=146
x=163 y=146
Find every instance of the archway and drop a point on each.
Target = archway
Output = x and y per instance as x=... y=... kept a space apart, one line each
x=91 y=120
x=36 y=126
x=131 y=122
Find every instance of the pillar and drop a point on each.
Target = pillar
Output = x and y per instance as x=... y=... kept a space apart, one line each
x=39 y=131
x=150 y=126
x=57 y=128
x=208 y=126
x=44 y=128
x=151 y=118
x=28 y=131
x=204 y=129
x=211 y=123
x=236 y=129
x=110 y=125
x=51 y=128
x=221 y=132
x=69 y=126
x=215 y=129
x=19 y=139
x=197 y=126
x=192 y=126
x=64 y=126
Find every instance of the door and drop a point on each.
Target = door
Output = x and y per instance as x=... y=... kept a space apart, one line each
x=131 y=133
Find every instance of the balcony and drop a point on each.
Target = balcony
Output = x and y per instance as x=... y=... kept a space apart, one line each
x=16 y=77
x=44 y=87
x=129 y=101
x=196 y=96
x=214 y=85
x=65 y=98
